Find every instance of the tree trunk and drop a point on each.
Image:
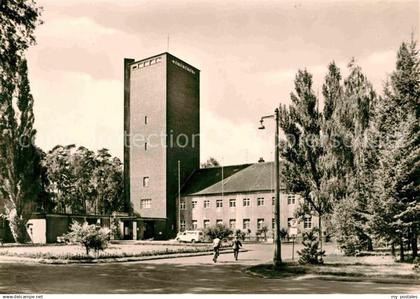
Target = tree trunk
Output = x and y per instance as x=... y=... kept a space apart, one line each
x=84 y=205
x=17 y=226
x=369 y=244
x=401 y=249
x=414 y=242
x=410 y=236
x=320 y=231
x=393 y=248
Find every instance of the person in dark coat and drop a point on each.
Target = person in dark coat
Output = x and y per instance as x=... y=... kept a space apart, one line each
x=236 y=245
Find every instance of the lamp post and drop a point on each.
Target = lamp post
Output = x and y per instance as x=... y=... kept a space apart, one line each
x=277 y=242
x=179 y=195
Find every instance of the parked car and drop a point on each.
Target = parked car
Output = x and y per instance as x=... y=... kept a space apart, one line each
x=190 y=236
x=63 y=239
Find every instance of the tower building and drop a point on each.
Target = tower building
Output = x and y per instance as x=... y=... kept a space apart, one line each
x=161 y=137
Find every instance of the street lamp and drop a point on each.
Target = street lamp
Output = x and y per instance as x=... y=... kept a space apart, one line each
x=179 y=196
x=277 y=242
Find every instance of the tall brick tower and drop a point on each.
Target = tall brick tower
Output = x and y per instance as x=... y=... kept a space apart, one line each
x=161 y=129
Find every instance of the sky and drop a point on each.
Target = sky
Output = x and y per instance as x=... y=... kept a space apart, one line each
x=248 y=53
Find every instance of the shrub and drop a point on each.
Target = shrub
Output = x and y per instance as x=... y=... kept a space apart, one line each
x=283 y=233
x=263 y=232
x=310 y=254
x=220 y=231
x=416 y=263
x=240 y=234
x=351 y=246
x=89 y=236
x=115 y=228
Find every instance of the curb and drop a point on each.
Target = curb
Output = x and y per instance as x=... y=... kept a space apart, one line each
x=360 y=279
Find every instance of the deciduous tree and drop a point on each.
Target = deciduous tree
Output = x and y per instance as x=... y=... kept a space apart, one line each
x=303 y=151
x=18 y=155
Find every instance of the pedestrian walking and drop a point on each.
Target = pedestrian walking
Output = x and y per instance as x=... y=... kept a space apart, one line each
x=216 y=247
x=236 y=245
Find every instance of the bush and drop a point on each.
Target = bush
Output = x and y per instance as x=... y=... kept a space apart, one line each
x=89 y=236
x=240 y=234
x=115 y=228
x=310 y=254
x=351 y=246
x=283 y=233
x=263 y=232
x=220 y=231
x=416 y=263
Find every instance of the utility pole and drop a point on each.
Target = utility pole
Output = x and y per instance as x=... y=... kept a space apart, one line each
x=179 y=195
x=277 y=248
x=277 y=241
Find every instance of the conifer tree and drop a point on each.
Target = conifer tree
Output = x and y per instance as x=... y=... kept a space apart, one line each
x=396 y=211
x=310 y=253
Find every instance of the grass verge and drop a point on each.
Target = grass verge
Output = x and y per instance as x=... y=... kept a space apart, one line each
x=328 y=270
x=102 y=255
x=284 y=271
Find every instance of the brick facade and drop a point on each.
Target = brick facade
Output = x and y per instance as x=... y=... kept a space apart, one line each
x=164 y=126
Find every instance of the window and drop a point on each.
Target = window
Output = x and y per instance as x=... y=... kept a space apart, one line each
x=246 y=223
x=232 y=203
x=307 y=222
x=194 y=224
x=219 y=203
x=260 y=201
x=291 y=199
x=273 y=200
x=232 y=223
x=145 y=120
x=273 y=223
x=246 y=202
x=206 y=204
x=145 y=146
x=260 y=223
x=194 y=203
x=219 y=221
x=206 y=223
x=182 y=225
x=182 y=205
x=145 y=181
x=289 y=222
x=145 y=203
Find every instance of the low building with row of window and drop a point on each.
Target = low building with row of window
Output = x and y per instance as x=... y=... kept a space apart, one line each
x=241 y=197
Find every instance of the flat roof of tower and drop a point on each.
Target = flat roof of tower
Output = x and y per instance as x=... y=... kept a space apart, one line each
x=168 y=54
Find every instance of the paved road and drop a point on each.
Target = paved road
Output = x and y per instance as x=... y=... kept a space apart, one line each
x=179 y=275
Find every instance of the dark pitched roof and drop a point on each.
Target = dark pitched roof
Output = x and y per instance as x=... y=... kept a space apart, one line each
x=251 y=178
x=204 y=177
